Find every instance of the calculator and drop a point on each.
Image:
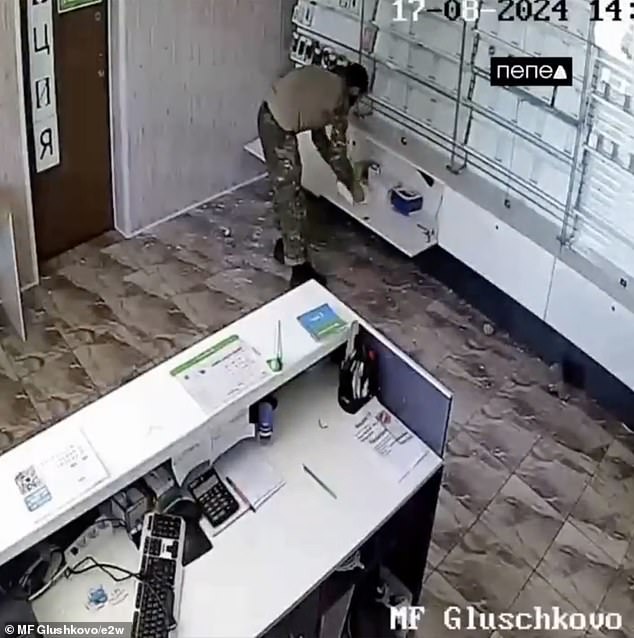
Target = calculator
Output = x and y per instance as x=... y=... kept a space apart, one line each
x=217 y=502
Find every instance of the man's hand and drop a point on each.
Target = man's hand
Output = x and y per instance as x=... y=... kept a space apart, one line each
x=358 y=193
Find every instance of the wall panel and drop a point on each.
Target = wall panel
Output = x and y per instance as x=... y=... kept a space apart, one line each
x=593 y=321
x=511 y=261
x=188 y=78
x=14 y=176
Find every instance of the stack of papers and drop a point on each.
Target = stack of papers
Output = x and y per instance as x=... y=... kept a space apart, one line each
x=246 y=469
x=390 y=439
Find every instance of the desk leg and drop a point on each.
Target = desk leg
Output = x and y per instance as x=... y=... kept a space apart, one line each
x=413 y=528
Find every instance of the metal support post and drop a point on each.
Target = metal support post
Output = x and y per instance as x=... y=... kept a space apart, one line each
x=456 y=121
x=568 y=220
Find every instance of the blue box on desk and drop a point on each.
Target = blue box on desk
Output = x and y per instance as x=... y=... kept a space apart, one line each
x=405 y=201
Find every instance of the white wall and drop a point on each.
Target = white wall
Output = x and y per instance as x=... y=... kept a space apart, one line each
x=15 y=189
x=9 y=282
x=187 y=80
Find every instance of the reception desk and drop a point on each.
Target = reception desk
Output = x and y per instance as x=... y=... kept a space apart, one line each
x=273 y=571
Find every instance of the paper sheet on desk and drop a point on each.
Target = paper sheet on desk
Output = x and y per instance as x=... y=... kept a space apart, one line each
x=390 y=439
x=221 y=372
x=250 y=473
x=211 y=443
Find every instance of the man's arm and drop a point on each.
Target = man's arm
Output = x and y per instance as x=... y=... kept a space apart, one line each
x=339 y=151
x=322 y=144
x=334 y=151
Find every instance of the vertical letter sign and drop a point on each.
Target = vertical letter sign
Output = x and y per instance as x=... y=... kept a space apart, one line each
x=43 y=97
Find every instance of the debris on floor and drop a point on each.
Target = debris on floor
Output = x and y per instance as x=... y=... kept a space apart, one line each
x=488 y=329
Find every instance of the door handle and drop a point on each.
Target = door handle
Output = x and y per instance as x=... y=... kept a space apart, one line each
x=97 y=16
x=101 y=73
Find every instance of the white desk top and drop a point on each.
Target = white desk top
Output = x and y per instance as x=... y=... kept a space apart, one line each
x=145 y=422
x=268 y=561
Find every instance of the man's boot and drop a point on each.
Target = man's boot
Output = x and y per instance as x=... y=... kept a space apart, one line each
x=278 y=251
x=305 y=272
x=300 y=274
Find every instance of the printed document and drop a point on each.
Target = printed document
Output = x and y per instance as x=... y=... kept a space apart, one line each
x=221 y=373
x=390 y=439
x=211 y=443
x=58 y=476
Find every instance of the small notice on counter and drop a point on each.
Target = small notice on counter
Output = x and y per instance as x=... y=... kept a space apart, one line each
x=390 y=439
x=197 y=453
x=221 y=373
x=321 y=322
x=212 y=442
x=227 y=435
x=59 y=477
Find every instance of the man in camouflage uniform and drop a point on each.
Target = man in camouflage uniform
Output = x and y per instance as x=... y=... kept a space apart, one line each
x=306 y=99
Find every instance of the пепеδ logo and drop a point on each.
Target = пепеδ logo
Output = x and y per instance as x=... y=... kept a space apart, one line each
x=513 y=71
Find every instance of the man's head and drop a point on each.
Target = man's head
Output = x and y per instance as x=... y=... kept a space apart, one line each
x=356 y=78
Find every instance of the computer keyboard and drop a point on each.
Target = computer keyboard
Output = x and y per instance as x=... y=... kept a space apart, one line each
x=158 y=589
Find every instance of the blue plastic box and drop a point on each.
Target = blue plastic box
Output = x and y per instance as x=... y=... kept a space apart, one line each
x=405 y=201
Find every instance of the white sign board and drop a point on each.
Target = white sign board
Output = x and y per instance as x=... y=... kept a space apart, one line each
x=43 y=95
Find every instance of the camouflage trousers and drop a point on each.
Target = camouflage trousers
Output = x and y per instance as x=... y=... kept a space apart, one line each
x=284 y=165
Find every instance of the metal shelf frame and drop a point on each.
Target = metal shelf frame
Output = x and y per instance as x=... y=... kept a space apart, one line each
x=574 y=187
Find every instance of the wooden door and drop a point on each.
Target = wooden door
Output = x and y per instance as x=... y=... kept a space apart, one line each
x=72 y=200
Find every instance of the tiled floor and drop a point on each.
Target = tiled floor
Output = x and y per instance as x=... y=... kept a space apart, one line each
x=537 y=506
